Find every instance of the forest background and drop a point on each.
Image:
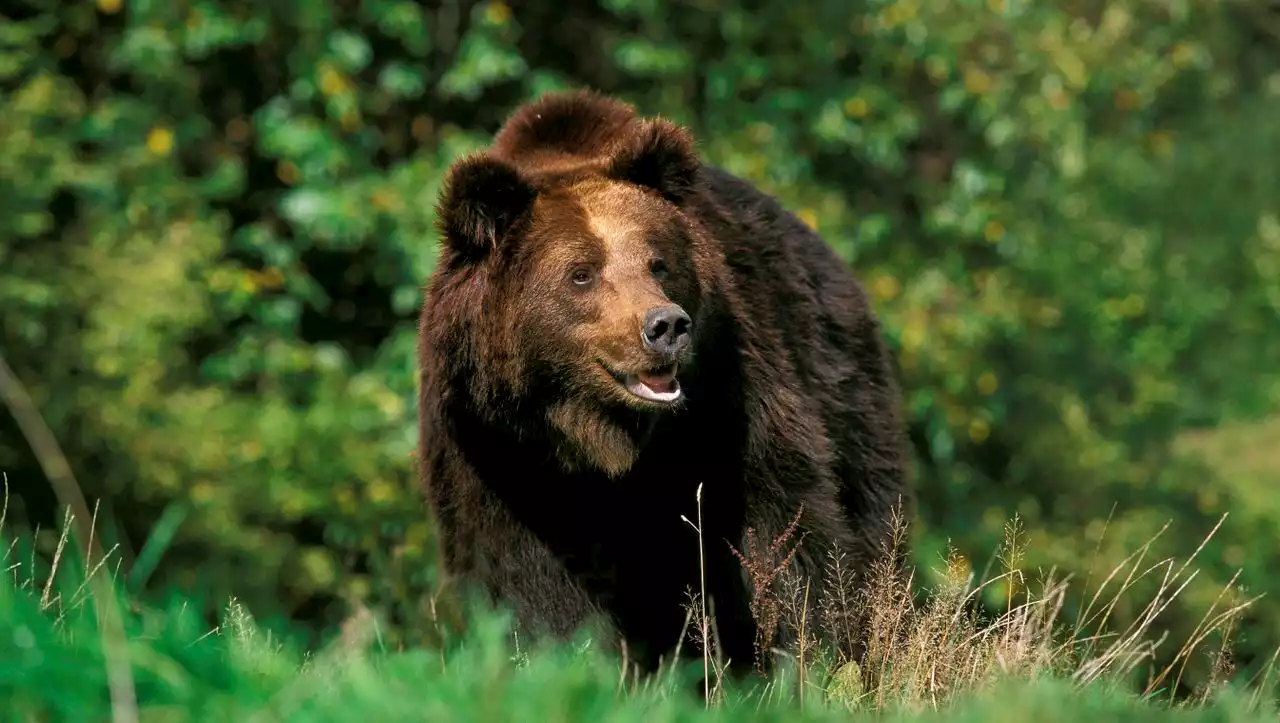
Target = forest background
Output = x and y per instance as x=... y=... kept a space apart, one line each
x=216 y=217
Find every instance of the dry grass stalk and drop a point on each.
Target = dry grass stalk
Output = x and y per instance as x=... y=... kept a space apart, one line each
x=713 y=663
x=763 y=564
x=920 y=655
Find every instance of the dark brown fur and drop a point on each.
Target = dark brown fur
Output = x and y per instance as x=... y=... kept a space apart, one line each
x=555 y=489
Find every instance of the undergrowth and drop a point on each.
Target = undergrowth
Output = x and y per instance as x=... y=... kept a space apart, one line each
x=924 y=661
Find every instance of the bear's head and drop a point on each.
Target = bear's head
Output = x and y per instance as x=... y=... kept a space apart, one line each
x=569 y=238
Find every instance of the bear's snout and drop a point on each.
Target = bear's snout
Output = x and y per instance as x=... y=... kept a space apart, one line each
x=666 y=330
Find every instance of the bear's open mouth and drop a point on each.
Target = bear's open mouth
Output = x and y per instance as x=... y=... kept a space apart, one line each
x=658 y=385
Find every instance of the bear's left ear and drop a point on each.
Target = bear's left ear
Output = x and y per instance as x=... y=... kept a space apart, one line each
x=658 y=155
x=481 y=200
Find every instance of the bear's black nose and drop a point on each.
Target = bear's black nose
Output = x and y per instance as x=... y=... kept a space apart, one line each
x=666 y=329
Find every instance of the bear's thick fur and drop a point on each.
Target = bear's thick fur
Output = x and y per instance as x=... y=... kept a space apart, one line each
x=613 y=323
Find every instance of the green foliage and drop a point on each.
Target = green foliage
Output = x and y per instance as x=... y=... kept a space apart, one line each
x=53 y=668
x=215 y=219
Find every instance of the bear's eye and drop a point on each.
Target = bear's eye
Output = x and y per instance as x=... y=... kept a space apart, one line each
x=658 y=268
x=582 y=276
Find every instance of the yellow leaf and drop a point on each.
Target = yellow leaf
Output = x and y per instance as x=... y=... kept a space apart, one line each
x=913 y=333
x=1184 y=54
x=497 y=13
x=1127 y=99
x=937 y=69
x=346 y=500
x=110 y=7
x=809 y=217
x=760 y=132
x=390 y=404
x=318 y=566
x=994 y=231
x=977 y=81
x=857 y=107
x=385 y=200
x=988 y=383
x=1072 y=67
x=1161 y=142
x=287 y=172
x=1048 y=315
x=979 y=430
x=331 y=81
x=221 y=279
x=268 y=278
x=1207 y=499
x=380 y=491
x=160 y=141
x=251 y=449
x=292 y=507
x=201 y=492
x=897 y=14
x=357 y=588
x=886 y=287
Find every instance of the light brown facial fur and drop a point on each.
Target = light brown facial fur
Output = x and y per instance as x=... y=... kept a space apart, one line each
x=598 y=257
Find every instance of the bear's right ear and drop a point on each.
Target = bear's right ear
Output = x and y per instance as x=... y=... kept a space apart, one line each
x=481 y=199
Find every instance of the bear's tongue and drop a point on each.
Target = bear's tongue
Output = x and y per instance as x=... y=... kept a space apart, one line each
x=662 y=382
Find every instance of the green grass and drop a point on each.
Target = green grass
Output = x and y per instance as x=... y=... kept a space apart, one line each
x=55 y=671
x=941 y=665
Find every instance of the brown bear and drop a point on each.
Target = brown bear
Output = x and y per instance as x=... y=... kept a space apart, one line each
x=613 y=323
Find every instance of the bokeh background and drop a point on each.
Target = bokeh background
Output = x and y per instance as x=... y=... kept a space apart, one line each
x=216 y=217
